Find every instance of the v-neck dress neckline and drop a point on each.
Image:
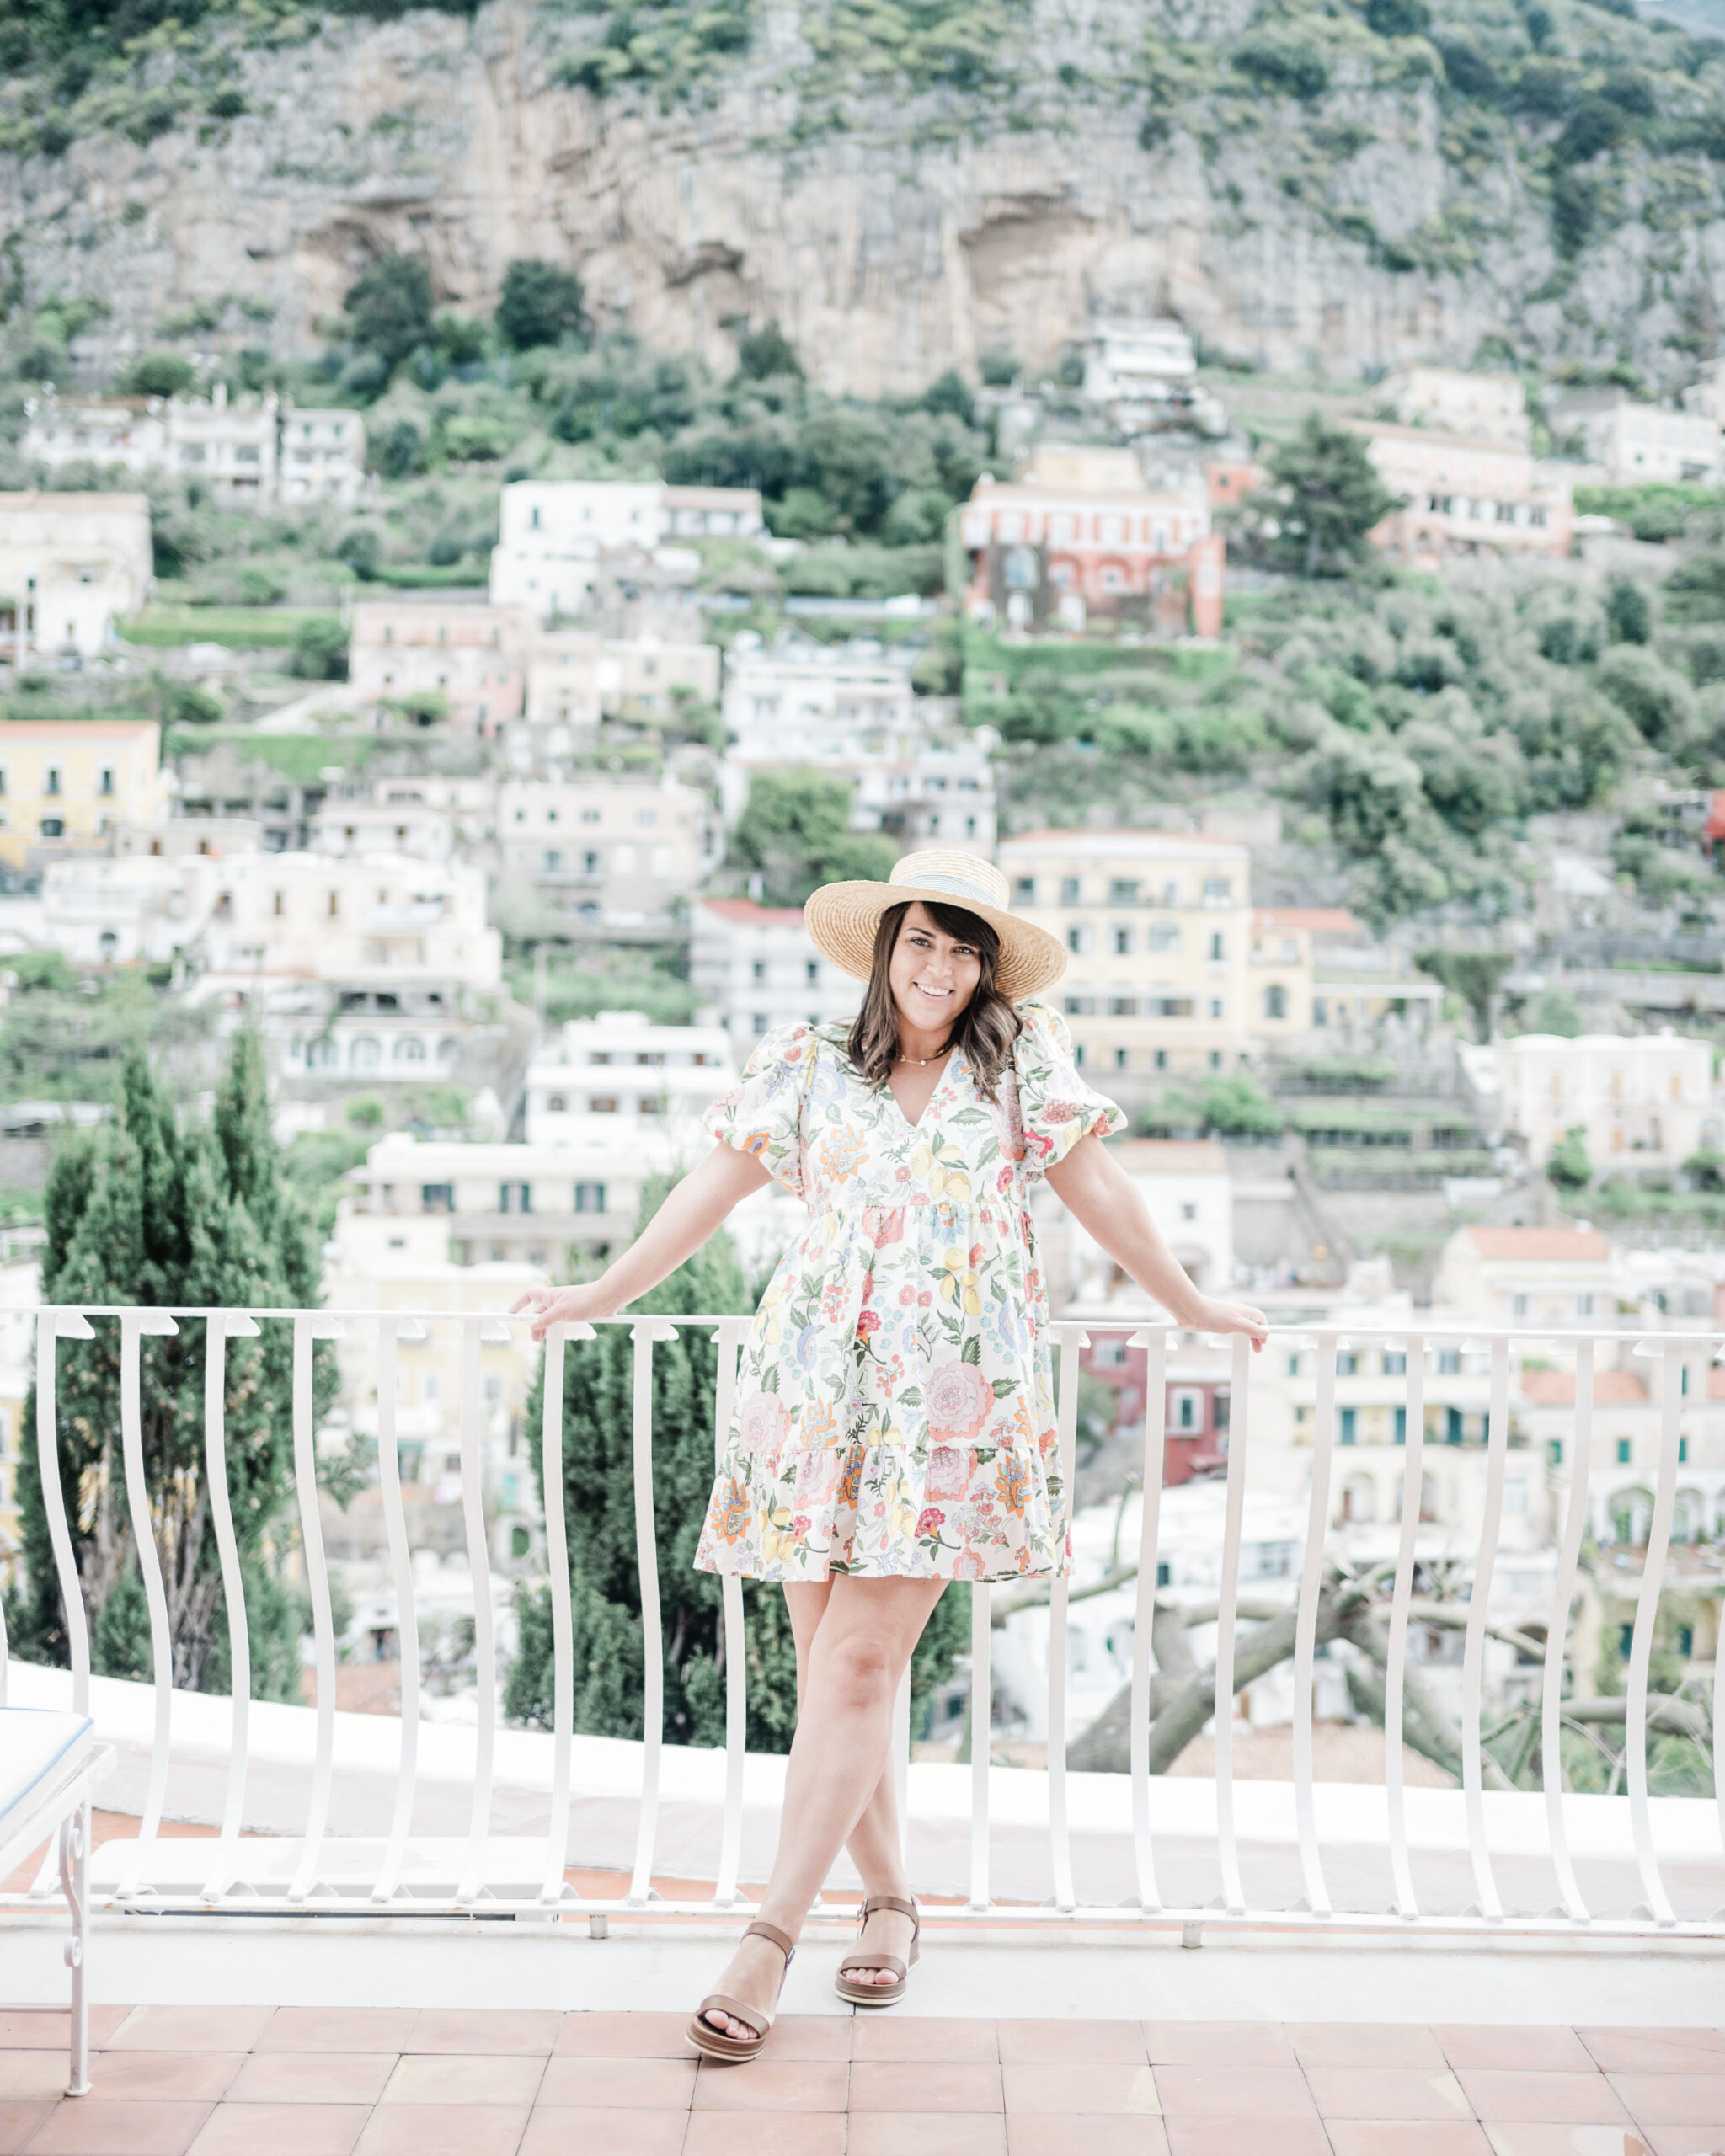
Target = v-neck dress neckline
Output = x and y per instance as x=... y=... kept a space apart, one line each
x=895 y=1410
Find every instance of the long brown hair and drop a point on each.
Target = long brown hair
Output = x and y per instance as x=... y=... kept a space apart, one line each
x=983 y=1031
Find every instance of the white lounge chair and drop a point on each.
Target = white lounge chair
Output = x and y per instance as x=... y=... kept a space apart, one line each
x=49 y=1765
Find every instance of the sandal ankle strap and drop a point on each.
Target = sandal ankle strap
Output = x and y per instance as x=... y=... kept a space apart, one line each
x=871 y=1903
x=782 y=1940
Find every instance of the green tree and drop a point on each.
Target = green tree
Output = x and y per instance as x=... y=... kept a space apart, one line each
x=767 y=352
x=1629 y=611
x=796 y=834
x=159 y=374
x=1566 y=1165
x=320 y=649
x=1331 y=497
x=1473 y=975
x=158 y=1211
x=389 y=305
x=539 y=304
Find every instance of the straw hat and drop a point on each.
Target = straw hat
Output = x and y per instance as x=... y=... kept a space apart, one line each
x=842 y=918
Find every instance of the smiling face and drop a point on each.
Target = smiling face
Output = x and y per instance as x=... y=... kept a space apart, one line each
x=932 y=977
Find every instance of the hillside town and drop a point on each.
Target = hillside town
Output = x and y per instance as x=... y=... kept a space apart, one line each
x=511 y=894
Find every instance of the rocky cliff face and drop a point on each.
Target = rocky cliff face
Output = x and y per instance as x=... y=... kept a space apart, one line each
x=1345 y=236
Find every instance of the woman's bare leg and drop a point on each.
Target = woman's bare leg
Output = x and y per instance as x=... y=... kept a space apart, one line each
x=873 y=1845
x=861 y=1647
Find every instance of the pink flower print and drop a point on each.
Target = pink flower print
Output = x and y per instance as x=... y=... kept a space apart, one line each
x=883 y=1225
x=817 y=1475
x=1003 y=1181
x=907 y=1295
x=930 y=1521
x=948 y=1471
x=868 y=1321
x=924 y=1298
x=1062 y=1112
x=960 y=1400
x=762 y=1423
x=968 y=1565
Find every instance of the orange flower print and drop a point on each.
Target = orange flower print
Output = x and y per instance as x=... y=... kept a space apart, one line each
x=968 y=1565
x=959 y=1401
x=948 y=1471
x=1012 y=1483
x=731 y=1512
x=842 y=1153
x=851 y=1482
x=762 y=1423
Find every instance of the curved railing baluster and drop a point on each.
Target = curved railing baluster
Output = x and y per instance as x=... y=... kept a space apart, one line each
x=52 y=1327
x=1396 y=1651
x=1646 y=1620
x=1473 y=1655
x=726 y=1893
x=1557 y=1634
x=392 y=1332
x=218 y=1330
x=478 y=1332
x=562 y=1630
x=310 y=1326
x=643 y=1333
x=1073 y=1339
x=1227 y=1613
x=133 y=1327
x=1154 y=1342
x=1318 y=1528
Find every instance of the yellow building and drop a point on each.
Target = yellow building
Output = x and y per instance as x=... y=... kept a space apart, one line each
x=67 y=784
x=1172 y=968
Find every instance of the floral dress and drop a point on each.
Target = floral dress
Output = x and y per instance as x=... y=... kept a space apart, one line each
x=894 y=1414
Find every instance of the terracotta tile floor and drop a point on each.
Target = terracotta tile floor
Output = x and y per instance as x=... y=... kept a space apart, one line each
x=251 y=2081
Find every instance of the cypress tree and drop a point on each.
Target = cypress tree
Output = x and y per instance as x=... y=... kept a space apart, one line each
x=162 y=1211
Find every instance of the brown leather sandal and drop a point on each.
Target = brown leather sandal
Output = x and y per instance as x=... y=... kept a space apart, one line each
x=715 y=2042
x=881 y=1994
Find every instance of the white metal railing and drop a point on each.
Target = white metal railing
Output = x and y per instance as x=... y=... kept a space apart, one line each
x=225 y=1882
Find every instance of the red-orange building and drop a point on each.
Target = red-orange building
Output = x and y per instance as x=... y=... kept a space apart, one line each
x=1081 y=533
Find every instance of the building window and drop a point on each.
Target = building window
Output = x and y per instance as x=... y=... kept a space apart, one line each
x=278 y=903
x=1349 y=1432
x=1216 y=1006
x=812 y=971
x=1275 y=1002
x=602 y=1104
x=1215 y=1059
x=589 y=1197
x=1624 y=1450
x=1186 y=1412
x=1449 y=1362
x=334 y=907
x=1122 y=891
x=1069 y=890
x=758 y=970
x=1348 y=1363
x=1123 y=1058
x=1024 y=891
x=556 y=1104
x=1216 y=946
x=1395 y=1362
x=514 y=1197
x=50 y=784
x=104 y=782
x=1401 y=1426
x=1161 y=1059
x=437 y=1196
x=1554 y=1447
x=1122 y=939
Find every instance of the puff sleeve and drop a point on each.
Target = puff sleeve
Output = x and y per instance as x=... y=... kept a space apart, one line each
x=763 y=1117
x=1055 y=1106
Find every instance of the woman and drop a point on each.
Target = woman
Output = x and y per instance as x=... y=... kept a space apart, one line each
x=895 y=1426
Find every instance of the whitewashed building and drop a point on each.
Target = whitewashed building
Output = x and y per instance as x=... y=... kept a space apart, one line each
x=552 y=533
x=756 y=968
x=323 y=456
x=1637 y=443
x=1641 y=1100
x=576 y=678
x=617 y=1077
x=608 y=848
x=471 y=656
x=114 y=912
x=71 y=568
x=1491 y=406
x=849 y=710
x=246 y=449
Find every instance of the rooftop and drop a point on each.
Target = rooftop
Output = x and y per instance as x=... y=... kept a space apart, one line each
x=1611 y=1388
x=1542 y=1246
x=746 y=912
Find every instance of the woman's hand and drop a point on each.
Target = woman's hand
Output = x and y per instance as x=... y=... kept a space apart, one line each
x=1212 y=1315
x=578 y=1305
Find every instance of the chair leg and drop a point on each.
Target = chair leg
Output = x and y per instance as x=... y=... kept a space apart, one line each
x=74 y=1882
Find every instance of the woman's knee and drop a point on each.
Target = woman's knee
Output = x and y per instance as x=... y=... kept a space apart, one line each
x=856 y=1666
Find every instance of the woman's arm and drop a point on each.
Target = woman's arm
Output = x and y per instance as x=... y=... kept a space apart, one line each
x=1099 y=1194
x=698 y=1205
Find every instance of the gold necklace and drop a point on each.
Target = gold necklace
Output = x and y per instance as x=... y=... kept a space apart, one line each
x=922 y=1062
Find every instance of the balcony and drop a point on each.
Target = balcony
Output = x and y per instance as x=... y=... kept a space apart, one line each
x=468 y=1856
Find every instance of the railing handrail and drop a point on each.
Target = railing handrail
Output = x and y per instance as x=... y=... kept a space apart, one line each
x=1333 y=1331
